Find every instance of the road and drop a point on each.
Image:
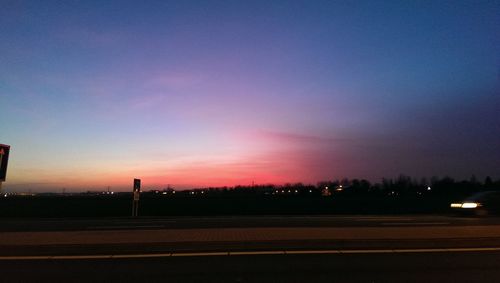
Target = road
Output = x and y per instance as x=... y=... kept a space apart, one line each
x=162 y=235
x=80 y=224
x=414 y=267
x=252 y=249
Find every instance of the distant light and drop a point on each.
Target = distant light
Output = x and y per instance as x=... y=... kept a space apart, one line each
x=296 y=191
x=428 y=188
x=326 y=188
x=112 y=193
x=340 y=186
x=456 y=205
x=469 y=205
x=164 y=193
x=173 y=192
x=202 y=192
x=310 y=191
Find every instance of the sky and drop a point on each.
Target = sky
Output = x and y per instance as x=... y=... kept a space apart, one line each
x=221 y=93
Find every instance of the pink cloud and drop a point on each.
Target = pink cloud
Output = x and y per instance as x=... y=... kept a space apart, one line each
x=291 y=137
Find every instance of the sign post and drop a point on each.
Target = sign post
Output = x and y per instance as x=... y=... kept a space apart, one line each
x=4 y=160
x=136 y=192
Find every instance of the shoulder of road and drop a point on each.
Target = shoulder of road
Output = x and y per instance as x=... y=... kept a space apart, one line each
x=117 y=238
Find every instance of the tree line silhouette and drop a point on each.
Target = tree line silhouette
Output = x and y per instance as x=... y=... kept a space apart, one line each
x=400 y=186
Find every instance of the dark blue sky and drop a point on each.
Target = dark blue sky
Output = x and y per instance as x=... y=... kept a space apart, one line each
x=195 y=93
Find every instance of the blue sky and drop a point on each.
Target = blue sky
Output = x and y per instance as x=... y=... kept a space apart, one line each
x=200 y=93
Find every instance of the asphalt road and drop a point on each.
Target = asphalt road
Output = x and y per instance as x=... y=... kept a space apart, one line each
x=152 y=223
x=410 y=267
x=251 y=249
x=119 y=236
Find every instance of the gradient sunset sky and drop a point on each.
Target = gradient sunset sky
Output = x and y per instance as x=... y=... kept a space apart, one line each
x=212 y=93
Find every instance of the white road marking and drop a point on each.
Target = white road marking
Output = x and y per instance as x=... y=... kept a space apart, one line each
x=363 y=219
x=258 y=253
x=314 y=252
x=296 y=252
x=377 y=251
x=143 y=222
x=123 y=227
x=141 y=255
x=414 y=223
x=201 y=254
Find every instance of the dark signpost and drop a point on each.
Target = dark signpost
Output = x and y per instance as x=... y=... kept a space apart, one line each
x=4 y=160
x=136 y=192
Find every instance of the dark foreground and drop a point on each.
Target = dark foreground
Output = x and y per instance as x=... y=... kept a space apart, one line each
x=121 y=206
x=411 y=267
x=185 y=222
x=410 y=248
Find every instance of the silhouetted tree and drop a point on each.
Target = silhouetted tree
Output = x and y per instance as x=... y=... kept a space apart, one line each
x=488 y=183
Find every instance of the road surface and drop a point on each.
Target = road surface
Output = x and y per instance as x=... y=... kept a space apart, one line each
x=413 y=267
x=68 y=224
x=252 y=249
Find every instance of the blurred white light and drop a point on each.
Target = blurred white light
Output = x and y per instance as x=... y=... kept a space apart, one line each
x=469 y=205
x=456 y=205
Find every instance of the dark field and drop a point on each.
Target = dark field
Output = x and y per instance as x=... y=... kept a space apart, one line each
x=121 y=205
